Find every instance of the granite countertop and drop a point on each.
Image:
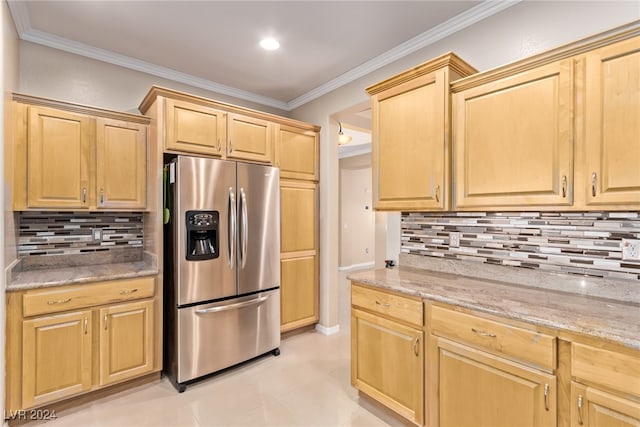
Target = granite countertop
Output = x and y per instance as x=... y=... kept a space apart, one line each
x=612 y=320
x=41 y=278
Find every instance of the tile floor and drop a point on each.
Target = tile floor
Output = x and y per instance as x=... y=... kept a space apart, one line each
x=307 y=385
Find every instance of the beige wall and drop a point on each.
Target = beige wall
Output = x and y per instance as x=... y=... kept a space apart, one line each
x=52 y=73
x=517 y=32
x=9 y=55
x=357 y=219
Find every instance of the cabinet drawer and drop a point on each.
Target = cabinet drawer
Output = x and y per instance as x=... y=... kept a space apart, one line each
x=522 y=344
x=608 y=368
x=402 y=308
x=51 y=300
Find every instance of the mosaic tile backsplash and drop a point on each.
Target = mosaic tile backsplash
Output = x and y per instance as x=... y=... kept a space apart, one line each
x=68 y=235
x=581 y=243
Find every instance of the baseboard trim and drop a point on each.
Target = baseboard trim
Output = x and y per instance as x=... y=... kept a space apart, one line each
x=328 y=330
x=357 y=266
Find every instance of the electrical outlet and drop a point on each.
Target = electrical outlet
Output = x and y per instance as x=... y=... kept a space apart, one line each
x=630 y=250
x=454 y=239
x=96 y=233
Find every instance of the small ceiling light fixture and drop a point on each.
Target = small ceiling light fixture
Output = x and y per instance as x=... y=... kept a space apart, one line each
x=342 y=138
x=269 y=44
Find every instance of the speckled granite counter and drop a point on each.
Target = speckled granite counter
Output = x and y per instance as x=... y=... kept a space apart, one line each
x=611 y=320
x=32 y=279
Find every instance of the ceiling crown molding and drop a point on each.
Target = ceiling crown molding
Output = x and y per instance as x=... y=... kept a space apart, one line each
x=20 y=15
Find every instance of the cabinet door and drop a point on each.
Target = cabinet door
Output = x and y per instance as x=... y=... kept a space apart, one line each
x=249 y=138
x=58 y=159
x=477 y=389
x=411 y=144
x=298 y=216
x=591 y=407
x=297 y=153
x=298 y=292
x=387 y=361
x=121 y=164
x=56 y=357
x=193 y=128
x=513 y=140
x=612 y=125
x=126 y=341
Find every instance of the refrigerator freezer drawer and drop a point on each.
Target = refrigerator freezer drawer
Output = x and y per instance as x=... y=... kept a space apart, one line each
x=215 y=336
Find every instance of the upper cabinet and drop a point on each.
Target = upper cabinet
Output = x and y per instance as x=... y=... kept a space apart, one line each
x=612 y=125
x=195 y=128
x=68 y=156
x=189 y=124
x=557 y=131
x=297 y=153
x=513 y=139
x=411 y=136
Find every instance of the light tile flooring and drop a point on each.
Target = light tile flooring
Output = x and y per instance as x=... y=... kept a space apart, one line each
x=307 y=385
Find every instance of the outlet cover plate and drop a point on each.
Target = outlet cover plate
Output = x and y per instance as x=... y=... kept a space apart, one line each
x=630 y=250
x=454 y=239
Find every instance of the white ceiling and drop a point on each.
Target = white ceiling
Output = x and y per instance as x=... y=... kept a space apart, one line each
x=214 y=44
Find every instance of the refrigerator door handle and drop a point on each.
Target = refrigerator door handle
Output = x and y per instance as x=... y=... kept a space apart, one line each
x=231 y=235
x=244 y=229
x=232 y=306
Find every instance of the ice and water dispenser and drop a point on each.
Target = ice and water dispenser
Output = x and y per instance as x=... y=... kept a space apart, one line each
x=203 y=240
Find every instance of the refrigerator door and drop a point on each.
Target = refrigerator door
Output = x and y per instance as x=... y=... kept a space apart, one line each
x=221 y=334
x=204 y=185
x=258 y=227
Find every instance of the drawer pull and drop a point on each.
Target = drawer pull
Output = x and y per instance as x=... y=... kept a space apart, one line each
x=580 y=420
x=60 y=301
x=546 y=397
x=483 y=333
x=128 y=291
x=384 y=304
x=416 y=348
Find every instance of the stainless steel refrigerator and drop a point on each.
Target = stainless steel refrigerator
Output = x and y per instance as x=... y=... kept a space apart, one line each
x=222 y=266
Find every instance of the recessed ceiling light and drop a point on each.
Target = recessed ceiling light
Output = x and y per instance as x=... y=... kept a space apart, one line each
x=269 y=44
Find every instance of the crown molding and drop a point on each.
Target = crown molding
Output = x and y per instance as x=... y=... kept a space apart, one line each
x=20 y=15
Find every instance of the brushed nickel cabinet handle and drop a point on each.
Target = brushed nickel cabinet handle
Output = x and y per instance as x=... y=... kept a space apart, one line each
x=101 y=196
x=84 y=194
x=128 y=291
x=483 y=333
x=230 y=146
x=594 y=182
x=437 y=191
x=416 y=348
x=60 y=301
x=219 y=145
x=580 y=420
x=86 y=322
x=383 y=304
x=546 y=397
x=564 y=186
x=106 y=322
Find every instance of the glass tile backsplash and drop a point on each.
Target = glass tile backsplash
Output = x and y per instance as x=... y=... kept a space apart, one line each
x=582 y=243
x=74 y=233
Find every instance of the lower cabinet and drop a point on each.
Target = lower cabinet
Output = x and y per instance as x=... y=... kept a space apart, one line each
x=479 y=389
x=591 y=407
x=63 y=341
x=126 y=341
x=299 y=292
x=387 y=350
x=56 y=357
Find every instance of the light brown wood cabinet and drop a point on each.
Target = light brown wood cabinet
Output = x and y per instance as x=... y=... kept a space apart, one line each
x=63 y=341
x=387 y=350
x=249 y=138
x=411 y=145
x=490 y=373
x=612 y=126
x=558 y=130
x=298 y=153
x=298 y=254
x=194 y=128
x=605 y=391
x=68 y=156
